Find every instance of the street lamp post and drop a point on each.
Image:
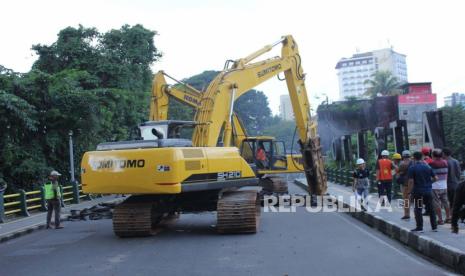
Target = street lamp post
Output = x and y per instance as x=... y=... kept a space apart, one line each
x=71 y=156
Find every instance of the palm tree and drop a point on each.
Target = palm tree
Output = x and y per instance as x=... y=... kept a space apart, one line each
x=382 y=84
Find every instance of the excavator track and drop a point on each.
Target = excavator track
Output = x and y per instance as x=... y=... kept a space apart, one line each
x=274 y=185
x=238 y=212
x=133 y=219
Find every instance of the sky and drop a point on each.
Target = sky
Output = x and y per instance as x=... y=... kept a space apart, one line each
x=195 y=36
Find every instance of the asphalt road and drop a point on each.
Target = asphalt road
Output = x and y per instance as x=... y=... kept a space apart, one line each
x=298 y=243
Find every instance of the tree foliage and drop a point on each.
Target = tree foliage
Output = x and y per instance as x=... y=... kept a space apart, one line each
x=254 y=111
x=94 y=84
x=283 y=131
x=252 y=107
x=180 y=111
x=202 y=80
x=382 y=84
x=454 y=130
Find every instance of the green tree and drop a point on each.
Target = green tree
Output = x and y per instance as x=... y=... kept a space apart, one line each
x=382 y=84
x=202 y=80
x=18 y=125
x=126 y=56
x=454 y=130
x=252 y=107
x=95 y=84
x=180 y=111
x=254 y=111
x=119 y=58
x=74 y=48
x=283 y=131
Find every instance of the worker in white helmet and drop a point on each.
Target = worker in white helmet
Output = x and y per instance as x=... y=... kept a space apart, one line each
x=384 y=168
x=361 y=182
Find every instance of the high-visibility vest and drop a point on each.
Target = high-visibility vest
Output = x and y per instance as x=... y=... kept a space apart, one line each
x=260 y=155
x=385 y=169
x=50 y=192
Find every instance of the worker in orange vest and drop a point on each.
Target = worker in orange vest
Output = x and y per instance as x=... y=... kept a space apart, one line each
x=384 y=168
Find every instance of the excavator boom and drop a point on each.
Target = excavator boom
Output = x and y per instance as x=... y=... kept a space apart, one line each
x=162 y=93
x=214 y=114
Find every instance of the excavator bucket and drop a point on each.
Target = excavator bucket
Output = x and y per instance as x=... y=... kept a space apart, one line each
x=314 y=167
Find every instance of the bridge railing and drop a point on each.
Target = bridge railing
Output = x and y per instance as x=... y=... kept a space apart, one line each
x=21 y=202
x=344 y=177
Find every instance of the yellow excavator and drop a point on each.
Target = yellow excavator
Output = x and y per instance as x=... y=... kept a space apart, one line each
x=167 y=173
x=276 y=161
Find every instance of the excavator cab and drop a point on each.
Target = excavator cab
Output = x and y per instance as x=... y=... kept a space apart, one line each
x=264 y=153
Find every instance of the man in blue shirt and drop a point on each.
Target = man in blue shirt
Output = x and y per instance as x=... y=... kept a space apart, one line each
x=420 y=181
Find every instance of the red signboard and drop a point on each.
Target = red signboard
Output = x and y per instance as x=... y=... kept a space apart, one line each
x=419 y=88
x=415 y=98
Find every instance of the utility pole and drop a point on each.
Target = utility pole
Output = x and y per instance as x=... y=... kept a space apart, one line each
x=71 y=156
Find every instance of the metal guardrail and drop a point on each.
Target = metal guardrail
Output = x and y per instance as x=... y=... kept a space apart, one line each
x=20 y=203
x=344 y=177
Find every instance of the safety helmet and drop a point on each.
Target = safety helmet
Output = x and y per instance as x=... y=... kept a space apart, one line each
x=406 y=153
x=385 y=153
x=360 y=161
x=55 y=173
x=425 y=150
x=396 y=156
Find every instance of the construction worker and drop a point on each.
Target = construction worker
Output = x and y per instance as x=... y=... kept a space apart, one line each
x=459 y=201
x=402 y=179
x=426 y=151
x=396 y=158
x=53 y=197
x=260 y=155
x=453 y=174
x=361 y=182
x=440 y=169
x=384 y=168
x=421 y=177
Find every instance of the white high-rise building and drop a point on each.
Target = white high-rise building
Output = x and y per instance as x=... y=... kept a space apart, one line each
x=285 y=108
x=353 y=72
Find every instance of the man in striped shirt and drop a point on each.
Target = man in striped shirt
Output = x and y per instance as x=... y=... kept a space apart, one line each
x=439 y=166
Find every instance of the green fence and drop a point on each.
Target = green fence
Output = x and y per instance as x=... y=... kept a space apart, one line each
x=20 y=203
x=344 y=177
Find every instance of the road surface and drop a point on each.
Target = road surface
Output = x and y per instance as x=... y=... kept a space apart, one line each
x=298 y=243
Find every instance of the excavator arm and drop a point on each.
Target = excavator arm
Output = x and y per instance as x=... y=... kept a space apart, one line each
x=161 y=93
x=186 y=94
x=217 y=103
